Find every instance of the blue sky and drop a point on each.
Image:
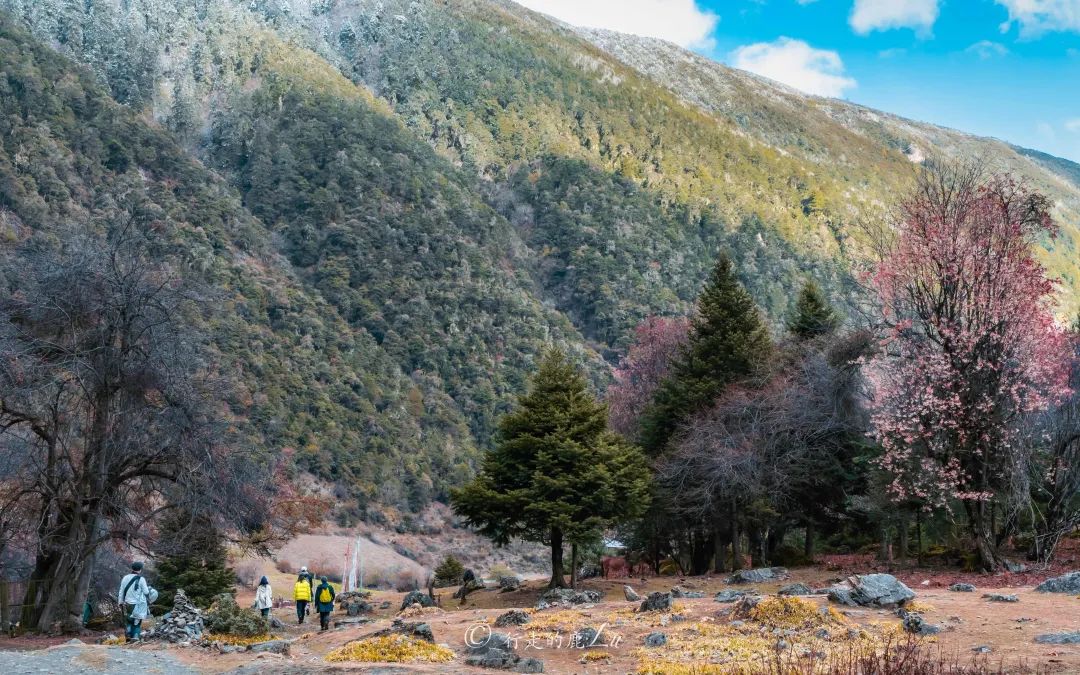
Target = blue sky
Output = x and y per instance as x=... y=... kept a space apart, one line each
x=1003 y=68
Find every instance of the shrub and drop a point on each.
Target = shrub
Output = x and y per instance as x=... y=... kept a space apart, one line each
x=228 y=618
x=500 y=570
x=285 y=567
x=449 y=572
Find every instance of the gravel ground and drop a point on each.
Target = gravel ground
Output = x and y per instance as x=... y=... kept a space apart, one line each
x=80 y=659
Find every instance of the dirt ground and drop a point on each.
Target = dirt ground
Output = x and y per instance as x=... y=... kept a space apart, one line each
x=969 y=621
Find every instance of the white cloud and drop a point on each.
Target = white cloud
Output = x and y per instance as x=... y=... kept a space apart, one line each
x=870 y=15
x=678 y=21
x=986 y=49
x=1073 y=125
x=797 y=64
x=892 y=52
x=1040 y=16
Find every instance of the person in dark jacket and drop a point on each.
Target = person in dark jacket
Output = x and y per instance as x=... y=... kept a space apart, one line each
x=324 y=602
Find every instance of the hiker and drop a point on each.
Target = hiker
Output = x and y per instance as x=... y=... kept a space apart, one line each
x=310 y=582
x=264 y=600
x=137 y=595
x=324 y=602
x=302 y=595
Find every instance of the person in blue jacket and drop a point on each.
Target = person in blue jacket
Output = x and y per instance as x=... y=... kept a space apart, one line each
x=324 y=602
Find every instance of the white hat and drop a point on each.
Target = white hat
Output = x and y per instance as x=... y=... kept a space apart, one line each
x=303 y=569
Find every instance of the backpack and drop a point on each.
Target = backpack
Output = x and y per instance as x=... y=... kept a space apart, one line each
x=324 y=594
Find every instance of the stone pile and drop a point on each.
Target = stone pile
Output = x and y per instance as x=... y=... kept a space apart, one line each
x=509 y=583
x=184 y=623
x=497 y=650
x=354 y=603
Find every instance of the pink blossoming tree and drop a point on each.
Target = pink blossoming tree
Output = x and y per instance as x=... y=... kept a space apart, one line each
x=658 y=341
x=971 y=345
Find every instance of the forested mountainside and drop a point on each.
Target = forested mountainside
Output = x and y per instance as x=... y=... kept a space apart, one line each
x=405 y=200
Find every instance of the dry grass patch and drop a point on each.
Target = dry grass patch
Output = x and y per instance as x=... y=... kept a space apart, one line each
x=391 y=649
x=238 y=640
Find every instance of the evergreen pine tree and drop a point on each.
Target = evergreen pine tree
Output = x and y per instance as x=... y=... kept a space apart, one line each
x=557 y=474
x=190 y=555
x=728 y=341
x=813 y=315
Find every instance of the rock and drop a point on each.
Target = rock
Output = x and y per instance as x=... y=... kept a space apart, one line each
x=1066 y=583
x=74 y=642
x=385 y=604
x=566 y=597
x=872 y=590
x=656 y=639
x=962 y=588
x=657 y=602
x=515 y=617
x=842 y=595
x=586 y=637
x=228 y=649
x=509 y=583
x=630 y=594
x=679 y=592
x=1059 y=638
x=275 y=623
x=272 y=647
x=493 y=642
x=914 y=623
x=998 y=597
x=756 y=576
x=529 y=665
x=357 y=621
x=795 y=589
x=982 y=649
x=731 y=595
x=417 y=597
x=358 y=607
x=822 y=634
x=1015 y=568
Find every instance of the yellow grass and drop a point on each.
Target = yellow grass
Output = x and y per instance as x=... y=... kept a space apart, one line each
x=392 y=649
x=238 y=640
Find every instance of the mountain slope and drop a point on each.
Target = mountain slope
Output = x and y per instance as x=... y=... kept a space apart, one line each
x=72 y=160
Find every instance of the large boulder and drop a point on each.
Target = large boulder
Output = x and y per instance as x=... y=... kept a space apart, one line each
x=515 y=617
x=873 y=590
x=655 y=640
x=1066 y=583
x=417 y=597
x=731 y=595
x=756 y=576
x=914 y=623
x=509 y=583
x=496 y=650
x=657 y=602
x=567 y=597
x=630 y=594
x=795 y=589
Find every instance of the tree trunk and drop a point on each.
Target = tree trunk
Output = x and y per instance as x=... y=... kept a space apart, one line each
x=808 y=543
x=720 y=544
x=756 y=546
x=736 y=549
x=883 y=549
x=558 y=578
x=918 y=538
x=990 y=558
x=573 y=565
x=903 y=536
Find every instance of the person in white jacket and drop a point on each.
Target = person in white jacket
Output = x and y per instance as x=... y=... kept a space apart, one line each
x=135 y=597
x=264 y=597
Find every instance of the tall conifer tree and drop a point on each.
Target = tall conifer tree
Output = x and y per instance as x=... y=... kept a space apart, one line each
x=557 y=474
x=813 y=316
x=728 y=341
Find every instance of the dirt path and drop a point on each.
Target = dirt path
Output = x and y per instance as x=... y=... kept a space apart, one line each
x=76 y=658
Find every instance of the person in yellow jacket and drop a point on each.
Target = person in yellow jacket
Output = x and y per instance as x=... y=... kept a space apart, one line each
x=302 y=595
